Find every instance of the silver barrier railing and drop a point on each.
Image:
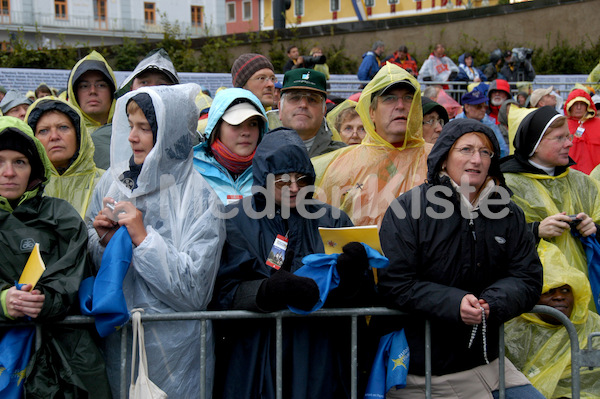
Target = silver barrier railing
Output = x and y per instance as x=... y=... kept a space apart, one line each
x=579 y=357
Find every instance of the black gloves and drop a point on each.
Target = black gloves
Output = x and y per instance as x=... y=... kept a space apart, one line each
x=284 y=288
x=353 y=268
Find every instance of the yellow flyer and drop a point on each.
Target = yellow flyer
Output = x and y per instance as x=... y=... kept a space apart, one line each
x=334 y=239
x=34 y=268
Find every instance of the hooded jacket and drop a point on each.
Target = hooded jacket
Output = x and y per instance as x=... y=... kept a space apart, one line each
x=91 y=62
x=542 y=351
x=369 y=66
x=76 y=184
x=62 y=236
x=466 y=73
x=499 y=85
x=438 y=69
x=314 y=355
x=174 y=268
x=216 y=174
x=409 y=64
x=362 y=180
x=586 y=144
x=157 y=60
x=541 y=195
x=436 y=260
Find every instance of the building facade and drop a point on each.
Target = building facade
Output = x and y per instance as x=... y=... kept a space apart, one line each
x=325 y=12
x=52 y=23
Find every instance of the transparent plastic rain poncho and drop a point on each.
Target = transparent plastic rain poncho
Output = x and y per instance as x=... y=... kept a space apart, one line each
x=540 y=196
x=364 y=179
x=174 y=268
x=76 y=184
x=541 y=350
x=96 y=57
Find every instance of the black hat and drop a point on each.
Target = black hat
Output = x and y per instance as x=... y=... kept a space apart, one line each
x=13 y=139
x=532 y=130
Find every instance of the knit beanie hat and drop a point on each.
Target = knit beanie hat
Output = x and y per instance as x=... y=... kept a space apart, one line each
x=246 y=65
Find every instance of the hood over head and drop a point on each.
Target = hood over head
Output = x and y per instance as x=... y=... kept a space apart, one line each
x=223 y=101
x=144 y=101
x=451 y=132
x=503 y=113
x=170 y=160
x=281 y=151
x=156 y=60
x=580 y=95
x=389 y=75
x=84 y=155
x=11 y=99
x=16 y=135
x=94 y=61
x=531 y=131
x=501 y=85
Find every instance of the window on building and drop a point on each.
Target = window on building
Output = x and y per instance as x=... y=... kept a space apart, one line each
x=335 y=5
x=60 y=9
x=369 y=3
x=150 y=13
x=299 y=7
x=392 y=1
x=99 y=10
x=197 y=16
x=5 y=7
x=230 y=12
x=247 y=10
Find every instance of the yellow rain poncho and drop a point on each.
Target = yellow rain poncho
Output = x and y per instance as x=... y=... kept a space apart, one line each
x=541 y=350
x=82 y=66
x=333 y=114
x=76 y=184
x=541 y=196
x=364 y=179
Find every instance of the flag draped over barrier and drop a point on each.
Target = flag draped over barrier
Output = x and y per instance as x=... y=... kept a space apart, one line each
x=102 y=296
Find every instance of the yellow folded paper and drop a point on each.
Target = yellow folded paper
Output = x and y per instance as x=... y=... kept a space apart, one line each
x=334 y=239
x=33 y=268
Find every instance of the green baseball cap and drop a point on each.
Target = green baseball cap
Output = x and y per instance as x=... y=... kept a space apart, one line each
x=305 y=79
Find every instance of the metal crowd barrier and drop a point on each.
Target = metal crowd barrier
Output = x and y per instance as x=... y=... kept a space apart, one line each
x=579 y=357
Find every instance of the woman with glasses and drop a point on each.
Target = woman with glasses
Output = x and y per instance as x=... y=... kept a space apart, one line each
x=61 y=129
x=434 y=118
x=556 y=198
x=236 y=124
x=268 y=234
x=461 y=256
x=346 y=124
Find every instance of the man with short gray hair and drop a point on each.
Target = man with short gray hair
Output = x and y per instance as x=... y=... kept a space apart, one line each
x=372 y=61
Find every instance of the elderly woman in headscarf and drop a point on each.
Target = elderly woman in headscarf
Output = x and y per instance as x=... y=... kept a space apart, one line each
x=15 y=104
x=346 y=124
x=461 y=256
x=61 y=129
x=539 y=345
x=548 y=190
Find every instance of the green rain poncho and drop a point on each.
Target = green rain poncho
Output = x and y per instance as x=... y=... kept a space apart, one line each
x=67 y=364
x=364 y=179
x=541 y=350
x=93 y=61
x=76 y=184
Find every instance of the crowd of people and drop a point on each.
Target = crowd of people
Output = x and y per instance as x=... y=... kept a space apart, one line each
x=484 y=209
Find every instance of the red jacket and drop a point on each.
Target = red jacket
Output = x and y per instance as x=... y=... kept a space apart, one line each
x=586 y=144
x=408 y=64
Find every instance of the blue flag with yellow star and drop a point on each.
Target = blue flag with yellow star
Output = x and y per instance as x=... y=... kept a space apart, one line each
x=15 y=352
x=102 y=296
x=390 y=366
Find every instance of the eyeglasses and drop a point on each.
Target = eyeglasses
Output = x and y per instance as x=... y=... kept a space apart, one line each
x=390 y=99
x=432 y=122
x=484 y=153
x=311 y=98
x=86 y=86
x=286 y=181
x=264 y=79
x=560 y=139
